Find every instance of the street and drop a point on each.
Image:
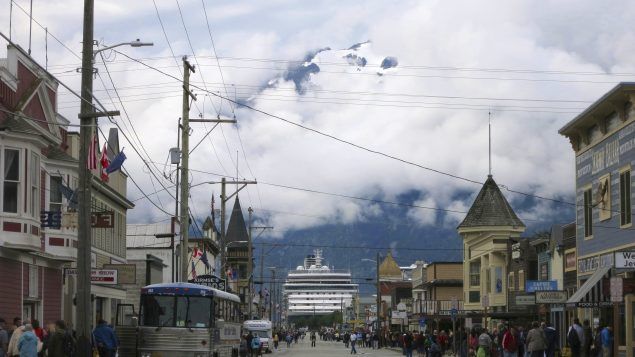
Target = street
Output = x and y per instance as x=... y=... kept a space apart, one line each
x=325 y=348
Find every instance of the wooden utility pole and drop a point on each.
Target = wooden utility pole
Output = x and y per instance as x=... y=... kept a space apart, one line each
x=84 y=243
x=250 y=270
x=185 y=161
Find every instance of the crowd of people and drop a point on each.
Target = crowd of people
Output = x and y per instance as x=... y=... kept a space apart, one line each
x=55 y=339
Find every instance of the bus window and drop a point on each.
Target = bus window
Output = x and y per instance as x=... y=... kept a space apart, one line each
x=181 y=311
x=199 y=312
x=157 y=310
x=217 y=308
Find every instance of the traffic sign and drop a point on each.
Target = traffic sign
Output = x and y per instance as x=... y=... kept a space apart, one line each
x=453 y=313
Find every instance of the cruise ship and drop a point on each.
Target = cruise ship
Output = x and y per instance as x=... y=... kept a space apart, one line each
x=317 y=289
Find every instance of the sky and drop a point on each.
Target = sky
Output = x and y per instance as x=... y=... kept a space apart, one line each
x=533 y=67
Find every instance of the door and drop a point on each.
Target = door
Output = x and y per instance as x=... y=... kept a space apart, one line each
x=29 y=311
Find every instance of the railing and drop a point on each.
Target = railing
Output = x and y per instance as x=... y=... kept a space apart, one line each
x=435 y=307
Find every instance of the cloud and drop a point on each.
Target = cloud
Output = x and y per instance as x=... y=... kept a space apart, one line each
x=429 y=109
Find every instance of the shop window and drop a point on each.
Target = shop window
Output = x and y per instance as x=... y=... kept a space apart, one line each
x=11 y=180
x=625 y=198
x=475 y=273
x=55 y=195
x=34 y=173
x=588 y=213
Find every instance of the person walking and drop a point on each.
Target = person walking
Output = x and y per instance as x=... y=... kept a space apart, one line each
x=484 y=344
x=256 y=347
x=28 y=342
x=276 y=339
x=15 y=337
x=575 y=338
x=588 y=339
x=4 y=339
x=61 y=342
x=105 y=339
x=407 y=342
x=552 y=340
x=536 y=340
x=607 y=341
x=353 y=340
x=313 y=338
x=509 y=343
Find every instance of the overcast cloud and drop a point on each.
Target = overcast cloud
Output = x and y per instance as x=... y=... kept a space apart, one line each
x=443 y=49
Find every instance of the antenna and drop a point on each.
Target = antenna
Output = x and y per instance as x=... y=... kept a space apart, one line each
x=489 y=119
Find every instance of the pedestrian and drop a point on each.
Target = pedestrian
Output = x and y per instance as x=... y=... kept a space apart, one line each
x=313 y=338
x=353 y=340
x=607 y=341
x=41 y=335
x=289 y=339
x=275 y=341
x=522 y=341
x=509 y=343
x=256 y=347
x=552 y=340
x=536 y=340
x=28 y=342
x=105 y=339
x=61 y=342
x=407 y=342
x=15 y=337
x=4 y=339
x=588 y=339
x=484 y=344
x=347 y=339
x=242 y=348
x=575 y=338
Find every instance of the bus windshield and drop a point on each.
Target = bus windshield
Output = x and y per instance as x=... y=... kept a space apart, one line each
x=176 y=311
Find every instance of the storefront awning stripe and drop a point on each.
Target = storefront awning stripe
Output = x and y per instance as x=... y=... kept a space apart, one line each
x=588 y=285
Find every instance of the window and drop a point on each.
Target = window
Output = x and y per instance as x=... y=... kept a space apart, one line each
x=625 y=198
x=588 y=213
x=474 y=296
x=510 y=281
x=475 y=273
x=521 y=280
x=34 y=172
x=544 y=271
x=33 y=280
x=55 y=197
x=11 y=180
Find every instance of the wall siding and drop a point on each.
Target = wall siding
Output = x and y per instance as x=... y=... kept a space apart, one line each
x=10 y=298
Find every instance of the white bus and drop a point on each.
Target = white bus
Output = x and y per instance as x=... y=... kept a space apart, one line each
x=261 y=328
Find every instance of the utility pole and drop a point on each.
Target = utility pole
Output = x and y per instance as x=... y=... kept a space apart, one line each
x=185 y=153
x=84 y=242
x=223 y=207
x=378 y=320
x=250 y=263
x=185 y=188
x=272 y=288
x=175 y=277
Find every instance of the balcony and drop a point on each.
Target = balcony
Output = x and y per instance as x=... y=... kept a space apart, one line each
x=435 y=307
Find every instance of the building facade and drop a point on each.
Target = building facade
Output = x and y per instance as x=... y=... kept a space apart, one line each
x=602 y=138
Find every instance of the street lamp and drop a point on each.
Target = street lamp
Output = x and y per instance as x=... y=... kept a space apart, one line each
x=136 y=43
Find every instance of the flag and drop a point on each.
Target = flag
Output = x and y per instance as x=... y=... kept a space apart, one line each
x=204 y=259
x=116 y=162
x=103 y=160
x=266 y=292
x=193 y=271
x=229 y=274
x=92 y=154
x=70 y=195
x=196 y=253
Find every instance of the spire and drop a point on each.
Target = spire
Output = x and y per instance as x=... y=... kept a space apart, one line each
x=237 y=229
x=490 y=208
x=489 y=122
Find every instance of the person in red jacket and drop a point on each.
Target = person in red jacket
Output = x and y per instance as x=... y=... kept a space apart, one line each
x=510 y=343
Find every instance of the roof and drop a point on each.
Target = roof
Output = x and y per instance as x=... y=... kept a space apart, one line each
x=602 y=106
x=490 y=208
x=237 y=229
x=187 y=289
x=142 y=235
x=389 y=268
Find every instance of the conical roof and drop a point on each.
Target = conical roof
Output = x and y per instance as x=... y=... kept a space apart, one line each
x=490 y=208
x=237 y=229
x=389 y=267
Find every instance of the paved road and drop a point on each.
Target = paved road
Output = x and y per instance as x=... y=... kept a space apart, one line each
x=326 y=349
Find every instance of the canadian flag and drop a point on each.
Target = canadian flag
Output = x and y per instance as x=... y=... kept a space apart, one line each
x=197 y=253
x=104 y=164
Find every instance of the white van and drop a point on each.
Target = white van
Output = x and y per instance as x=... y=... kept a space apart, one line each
x=261 y=328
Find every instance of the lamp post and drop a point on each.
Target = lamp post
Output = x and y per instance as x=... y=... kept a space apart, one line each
x=88 y=117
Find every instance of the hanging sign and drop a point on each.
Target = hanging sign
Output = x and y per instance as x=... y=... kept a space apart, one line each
x=551 y=297
x=625 y=259
x=50 y=219
x=540 y=285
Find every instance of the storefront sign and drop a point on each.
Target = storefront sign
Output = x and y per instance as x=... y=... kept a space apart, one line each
x=569 y=260
x=399 y=315
x=594 y=304
x=102 y=219
x=523 y=300
x=98 y=276
x=50 y=219
x=210 y=280
x=591 y=264
x=625 y=259
x=540 y=285
x=126 y=273
x=551 y=297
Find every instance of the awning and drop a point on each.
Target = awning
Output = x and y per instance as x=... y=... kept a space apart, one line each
x=588 y=285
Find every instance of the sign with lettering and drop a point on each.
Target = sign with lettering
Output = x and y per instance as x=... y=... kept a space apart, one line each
x=594 y=304
x=540 y=285
x=525 y=300
x=516 y=251
x=102 y=219
x=98 y=276
x=51 y=219
x=606 y=155
x=591 y=264
x=551 y=297
x=617 y=289
x=569 y=260
x=625 y=259
x=210 y=280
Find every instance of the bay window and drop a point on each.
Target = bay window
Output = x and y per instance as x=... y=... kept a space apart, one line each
x=11 y=176
x=55 y=197
x=34 y=172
